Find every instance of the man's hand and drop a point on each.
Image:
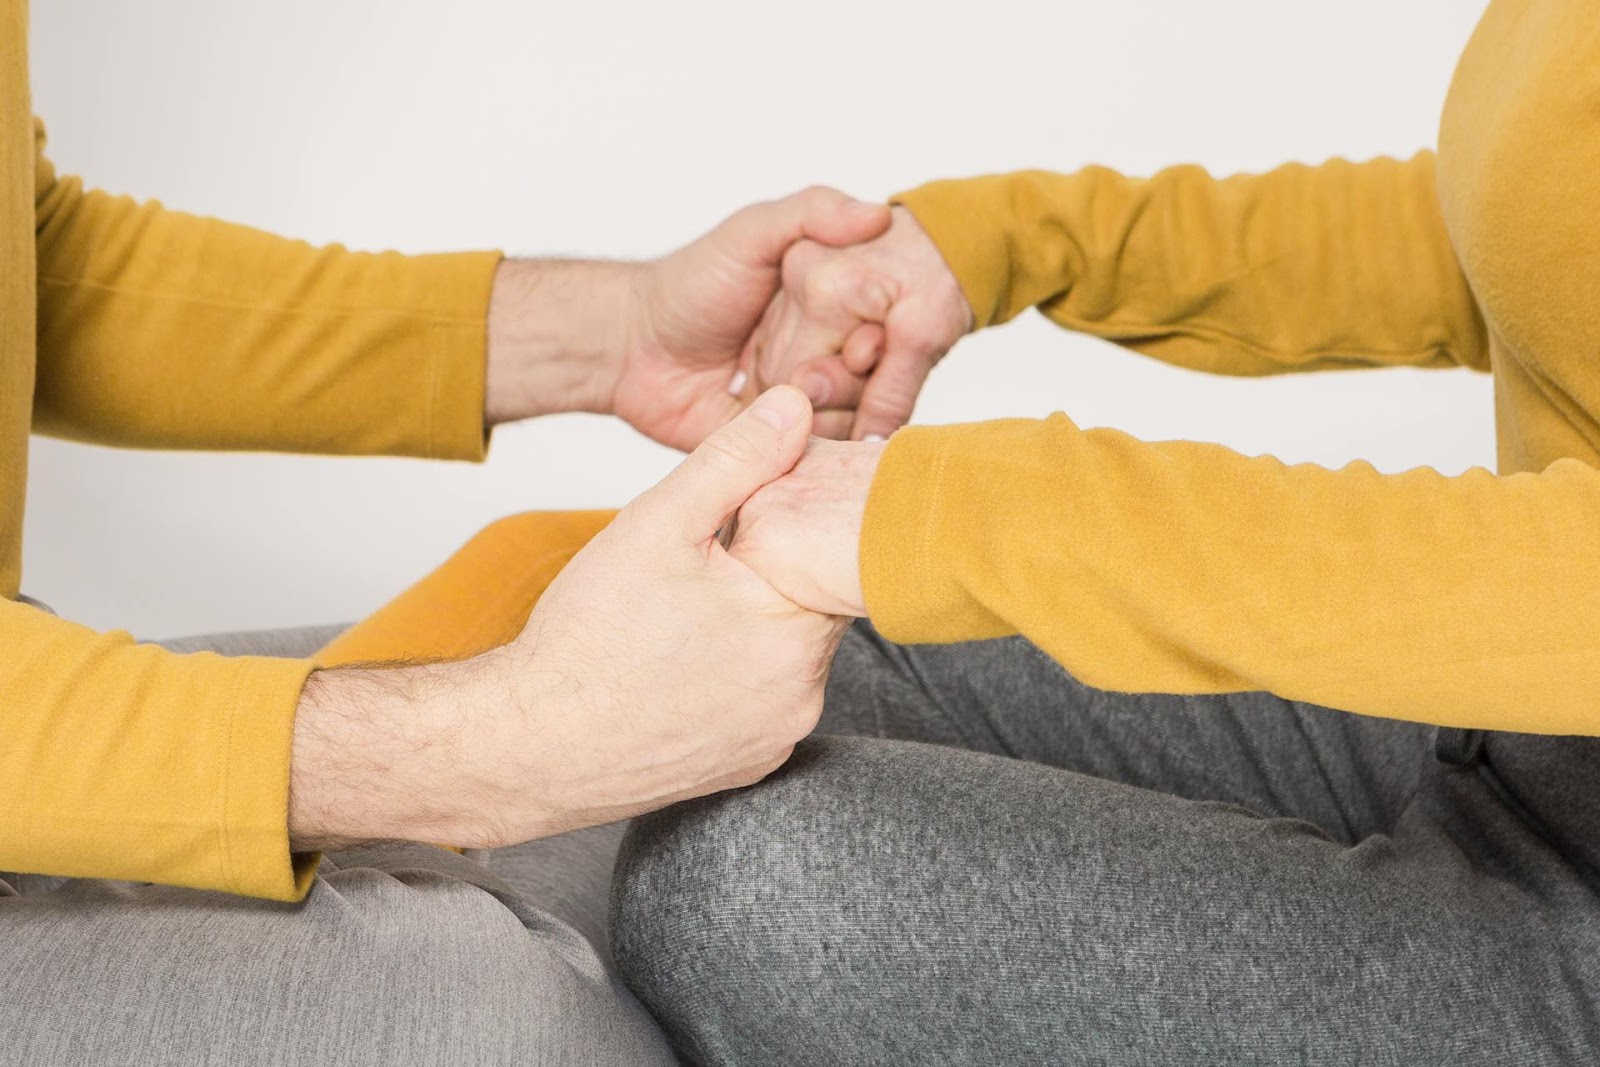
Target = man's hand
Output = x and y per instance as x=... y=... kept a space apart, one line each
x=658 y=344
x=655 y=668
x=802 y=533
x=701 y=304
x=861 y=327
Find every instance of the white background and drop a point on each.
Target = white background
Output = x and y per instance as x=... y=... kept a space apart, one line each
x=626 y=128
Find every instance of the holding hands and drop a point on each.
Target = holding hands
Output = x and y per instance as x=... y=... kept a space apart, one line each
x=655 y=668
x=858 y=328
x=659 y=665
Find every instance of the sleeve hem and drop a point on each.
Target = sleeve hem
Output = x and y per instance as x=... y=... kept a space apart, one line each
x=254 y=817
x=459 y=370
x=909 y=596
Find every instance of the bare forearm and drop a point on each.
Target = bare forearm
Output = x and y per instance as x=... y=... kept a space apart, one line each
x=372 y=754
x=557 y=332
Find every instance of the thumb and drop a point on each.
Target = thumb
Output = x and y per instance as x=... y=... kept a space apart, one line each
x=761 y=233
x=760 y=445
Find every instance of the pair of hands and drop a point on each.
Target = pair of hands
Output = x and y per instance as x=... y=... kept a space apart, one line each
x=660 y=665
x=682 y=667
x=851 y=302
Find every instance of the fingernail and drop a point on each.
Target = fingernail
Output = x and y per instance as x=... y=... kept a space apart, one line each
x=737 y=382
x=873 y=439
x=817 y=388
x=779 y=408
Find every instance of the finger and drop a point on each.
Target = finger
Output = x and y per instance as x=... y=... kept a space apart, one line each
x=761 y=233
x=818 y=337
x=828 y=383
x=891 y=394
x=863 y=349
x=747 y=381
x=834 y=425
x=758 y=446
x=778 y=355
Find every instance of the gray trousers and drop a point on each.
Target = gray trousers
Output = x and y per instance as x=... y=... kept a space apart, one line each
x=400 y=955
x=1015 y=868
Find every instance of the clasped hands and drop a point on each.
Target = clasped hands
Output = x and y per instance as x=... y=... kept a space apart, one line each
x=660 y=665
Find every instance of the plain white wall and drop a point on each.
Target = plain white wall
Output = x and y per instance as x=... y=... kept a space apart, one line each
x=626 y=128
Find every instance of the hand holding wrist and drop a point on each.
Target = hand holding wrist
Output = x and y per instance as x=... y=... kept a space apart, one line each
x=802 y=533
x=656 y=667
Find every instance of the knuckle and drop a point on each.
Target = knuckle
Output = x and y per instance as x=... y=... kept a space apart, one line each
x=882 y=407
x=922 y=335
x=730 y=448
x=817 y=194
x=820 y=287
x=799 y=261
x=848 y=283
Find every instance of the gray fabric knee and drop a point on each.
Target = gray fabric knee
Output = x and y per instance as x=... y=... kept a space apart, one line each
x=697 y=887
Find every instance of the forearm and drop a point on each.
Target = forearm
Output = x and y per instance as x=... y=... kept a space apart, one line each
x=377 y=755
x=1184 y=567
x=164 y=330
x=1343 y=264
x=558 y=331
x=129 y=762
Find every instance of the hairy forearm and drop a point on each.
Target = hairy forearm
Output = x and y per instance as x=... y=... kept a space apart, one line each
x=557 y=333
x=373 y=754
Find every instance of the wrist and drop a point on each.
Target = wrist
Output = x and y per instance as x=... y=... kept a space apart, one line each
x=558 y=333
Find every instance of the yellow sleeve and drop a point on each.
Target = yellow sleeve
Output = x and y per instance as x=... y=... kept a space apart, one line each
x=1302 y=268
x=1187 y=568
x=129 y=762
x=158 y=329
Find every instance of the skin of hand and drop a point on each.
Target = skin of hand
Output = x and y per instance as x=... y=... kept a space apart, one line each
x=657 y=343
x=656 y=667
x=861 y=327
x=802 y=532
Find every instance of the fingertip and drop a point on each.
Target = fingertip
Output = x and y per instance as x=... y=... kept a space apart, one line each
x=817 y=387
x=829 y=384
x=863 y=348
x=782 y=407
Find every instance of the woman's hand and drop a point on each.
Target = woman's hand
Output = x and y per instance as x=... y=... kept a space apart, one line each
x=802 y=532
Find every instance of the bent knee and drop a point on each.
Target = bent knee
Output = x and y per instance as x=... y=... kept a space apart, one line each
x=721 y=905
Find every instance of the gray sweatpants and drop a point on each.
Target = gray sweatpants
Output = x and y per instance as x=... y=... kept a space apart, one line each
x=1147 y=880
x=1067 y=876
x=401 y=955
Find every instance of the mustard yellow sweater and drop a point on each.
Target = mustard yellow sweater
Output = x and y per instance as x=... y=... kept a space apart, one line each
x=125 y=324
x=1184 y=567
x=1171 y=566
